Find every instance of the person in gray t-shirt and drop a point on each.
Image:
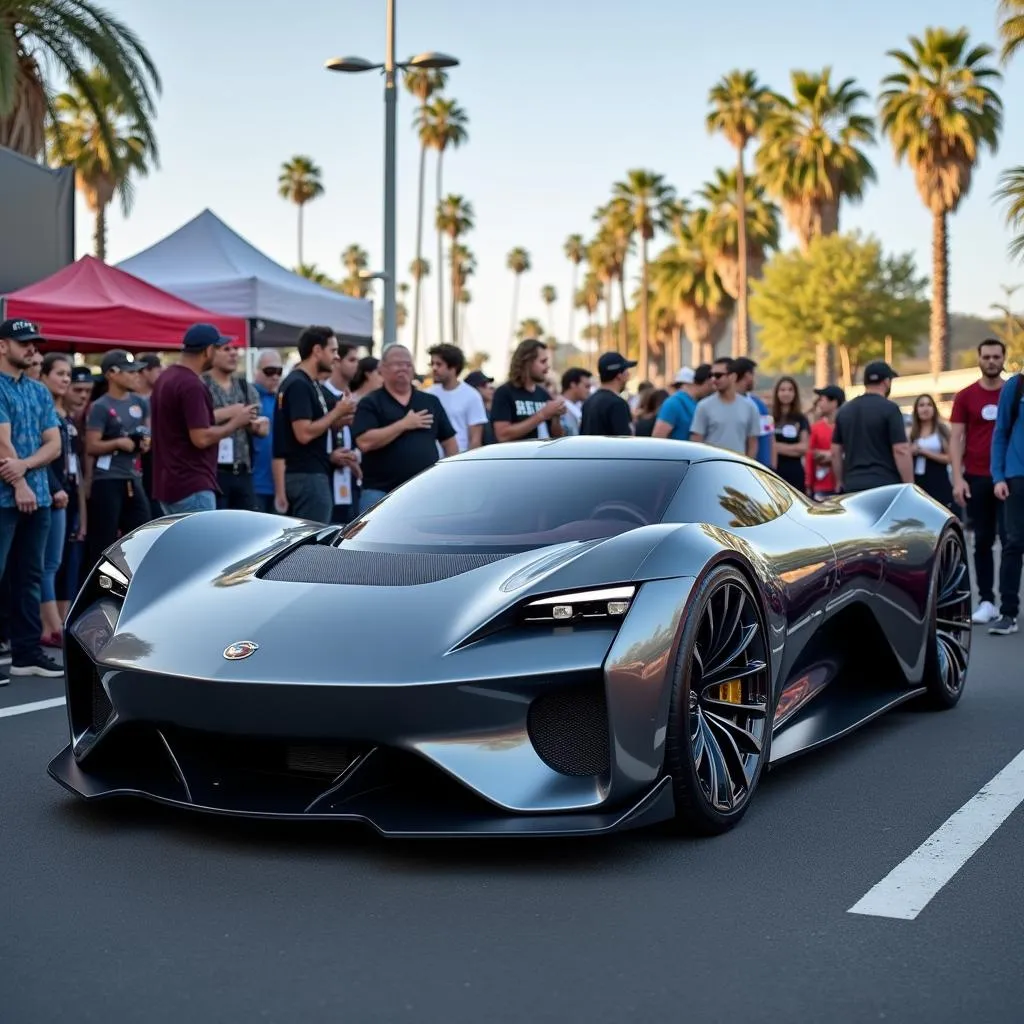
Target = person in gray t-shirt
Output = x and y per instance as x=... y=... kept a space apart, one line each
x=727 y=419
x=116 y=434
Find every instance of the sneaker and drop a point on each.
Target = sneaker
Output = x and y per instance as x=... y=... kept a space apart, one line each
x=5 y=648
x=3 y=678
x=1003 y=626
x=42 y=665
x=986 y=612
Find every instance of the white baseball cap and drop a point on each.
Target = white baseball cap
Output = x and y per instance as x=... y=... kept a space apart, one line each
x=685 y=376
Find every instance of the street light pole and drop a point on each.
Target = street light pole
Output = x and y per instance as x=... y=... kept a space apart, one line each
x=390 y=181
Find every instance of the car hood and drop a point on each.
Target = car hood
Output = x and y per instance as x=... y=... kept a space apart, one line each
x=198 y=588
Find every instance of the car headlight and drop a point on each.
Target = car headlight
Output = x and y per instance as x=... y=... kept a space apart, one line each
x=585 y=605
x=112 y=579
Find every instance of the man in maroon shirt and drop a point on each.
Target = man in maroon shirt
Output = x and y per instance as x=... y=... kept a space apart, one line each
x=972 y=422
x=185 y=431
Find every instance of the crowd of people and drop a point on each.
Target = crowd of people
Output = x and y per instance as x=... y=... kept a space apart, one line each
x=84 y=460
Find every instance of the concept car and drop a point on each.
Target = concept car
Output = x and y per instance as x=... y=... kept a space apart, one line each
x=552 y=637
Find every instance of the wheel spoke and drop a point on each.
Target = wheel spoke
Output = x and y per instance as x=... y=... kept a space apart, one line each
x=745 y=741
x=722 y=707
x=730 y=620
x=729 y=672
x=722 y=794
x=739 y=645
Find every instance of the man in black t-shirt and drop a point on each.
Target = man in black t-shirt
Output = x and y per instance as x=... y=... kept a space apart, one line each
x=606 y=412
x=397 y=428
x=305 y=425
x=869 y=442
x=521 y=409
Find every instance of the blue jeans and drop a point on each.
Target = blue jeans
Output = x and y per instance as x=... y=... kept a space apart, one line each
x=52 y=554
x=265 y=503
x=370 y=497
x=309 y=496
x=22 y=542
x=201 y=501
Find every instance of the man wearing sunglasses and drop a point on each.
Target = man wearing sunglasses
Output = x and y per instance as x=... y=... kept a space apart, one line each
x=267 y=381
x=726 y=419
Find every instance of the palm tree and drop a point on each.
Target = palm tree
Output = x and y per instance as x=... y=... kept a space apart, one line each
x=616 y=234
x=1011 y=191
x=300 y=182
x=454 y=219
x=531 y=327
x=102 y=171
x=589 y=298
x=939 y=111
x=441 y=123
x=355 y=260
x=720 y=227
x=810 y=159
x=549 y=296
x=1011 y=27
x=518 y=261
x=423 y=84
x=648 y=200
x=601 y=258
x=70 y=36
x=739 y=106
x=685 y=281
x=575 y=253
x=311 y=272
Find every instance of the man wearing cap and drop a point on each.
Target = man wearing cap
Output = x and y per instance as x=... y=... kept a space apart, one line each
x=606 y=413
x=116 y=435
x=186 y=434
x=485 y=386
x=29 y=442
x=150 y=368
x=676 y=412
x=821 y=482
x=869 y=442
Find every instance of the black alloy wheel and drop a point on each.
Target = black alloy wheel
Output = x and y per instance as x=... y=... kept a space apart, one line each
x=719 y=729
x=949 y=649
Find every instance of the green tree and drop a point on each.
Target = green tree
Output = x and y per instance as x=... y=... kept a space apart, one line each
x=1011 y=27
x=300 y=181
x=1011 y=192
x=939 y=110
x=844 y=292
x=575 y=252
x=455 y=219
x=518 y=261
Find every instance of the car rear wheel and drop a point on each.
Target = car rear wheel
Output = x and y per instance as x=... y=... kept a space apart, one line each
x=719 y=733
x=949 y=641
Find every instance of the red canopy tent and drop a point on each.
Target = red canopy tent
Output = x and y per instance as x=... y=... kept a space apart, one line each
x=89 y=304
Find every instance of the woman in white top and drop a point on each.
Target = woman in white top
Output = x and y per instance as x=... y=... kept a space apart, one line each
x=929 y=446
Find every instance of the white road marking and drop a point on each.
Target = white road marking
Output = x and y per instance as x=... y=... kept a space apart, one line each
x=911 y=885
x=38 y=705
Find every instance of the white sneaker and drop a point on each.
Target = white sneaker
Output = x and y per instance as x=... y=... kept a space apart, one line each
x=986 y=612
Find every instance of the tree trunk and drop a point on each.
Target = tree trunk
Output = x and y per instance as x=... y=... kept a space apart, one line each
x=844 y=356
x=302 y=261
x=624 y=321
x=606 y=340
x=100 y=236
x=440 y=257
x=741 y=342
x=645 y=314
x=455 y=299
x=515 y=312
x=824 y=367
x=938 y=348
x=571 y=338
x=417 y=285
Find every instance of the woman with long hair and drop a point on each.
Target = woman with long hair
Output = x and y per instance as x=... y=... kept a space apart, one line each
x=55 y=373
x=929 y=446
x=367 y=377
x=647 y=411
x=792 y=433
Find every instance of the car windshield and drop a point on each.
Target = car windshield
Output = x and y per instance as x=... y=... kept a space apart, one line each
x=518 y=504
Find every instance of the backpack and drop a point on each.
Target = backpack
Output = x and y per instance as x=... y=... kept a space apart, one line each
x=1017 y=399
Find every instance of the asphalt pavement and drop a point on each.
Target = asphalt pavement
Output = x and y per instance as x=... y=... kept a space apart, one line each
x=131 y=912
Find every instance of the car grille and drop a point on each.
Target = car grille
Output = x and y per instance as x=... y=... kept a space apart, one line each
x=569 y=731
x=101 y=706
x=319 y=563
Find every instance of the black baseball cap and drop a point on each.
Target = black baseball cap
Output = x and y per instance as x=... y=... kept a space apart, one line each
x=119 y=360
x=148 y=361
x=22 y=331
x=611 y=364
x=82 y=375
x=875 y=373
x=833 y=391
x=477 y=379
x=200 y=336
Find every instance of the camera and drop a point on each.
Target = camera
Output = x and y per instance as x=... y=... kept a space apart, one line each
x=138 y=435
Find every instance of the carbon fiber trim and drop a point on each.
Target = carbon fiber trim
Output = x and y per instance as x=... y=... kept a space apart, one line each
x=318 y=563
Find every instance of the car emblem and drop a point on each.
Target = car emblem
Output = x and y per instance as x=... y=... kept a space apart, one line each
x=240 y=650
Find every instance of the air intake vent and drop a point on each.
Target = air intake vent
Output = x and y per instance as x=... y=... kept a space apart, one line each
x=569 y=731
x=317 y=563
x=101 y=706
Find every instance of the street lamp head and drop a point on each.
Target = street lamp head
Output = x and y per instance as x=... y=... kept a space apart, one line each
x=352 y=65
x=372 y=275
x=433 y=61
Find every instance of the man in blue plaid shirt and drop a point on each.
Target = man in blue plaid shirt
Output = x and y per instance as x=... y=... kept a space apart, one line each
x=29 y=442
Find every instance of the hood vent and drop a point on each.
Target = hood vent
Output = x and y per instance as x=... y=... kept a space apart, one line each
x=316 y=563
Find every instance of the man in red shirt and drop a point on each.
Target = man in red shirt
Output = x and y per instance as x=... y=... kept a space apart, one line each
x=821 y=483
x=972 y=422
x=185 y=430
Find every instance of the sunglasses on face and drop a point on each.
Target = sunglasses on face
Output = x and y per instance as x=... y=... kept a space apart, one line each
x=272 y=371
x=715 y=376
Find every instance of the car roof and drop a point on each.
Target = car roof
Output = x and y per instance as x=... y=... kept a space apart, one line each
x=651 y=449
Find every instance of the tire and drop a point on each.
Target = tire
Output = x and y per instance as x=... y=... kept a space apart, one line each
x=716 y=749
x=948 y=653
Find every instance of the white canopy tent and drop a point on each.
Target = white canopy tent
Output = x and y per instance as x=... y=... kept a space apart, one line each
x=208 y=264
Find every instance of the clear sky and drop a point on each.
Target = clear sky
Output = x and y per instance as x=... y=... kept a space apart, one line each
x=563 y=97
